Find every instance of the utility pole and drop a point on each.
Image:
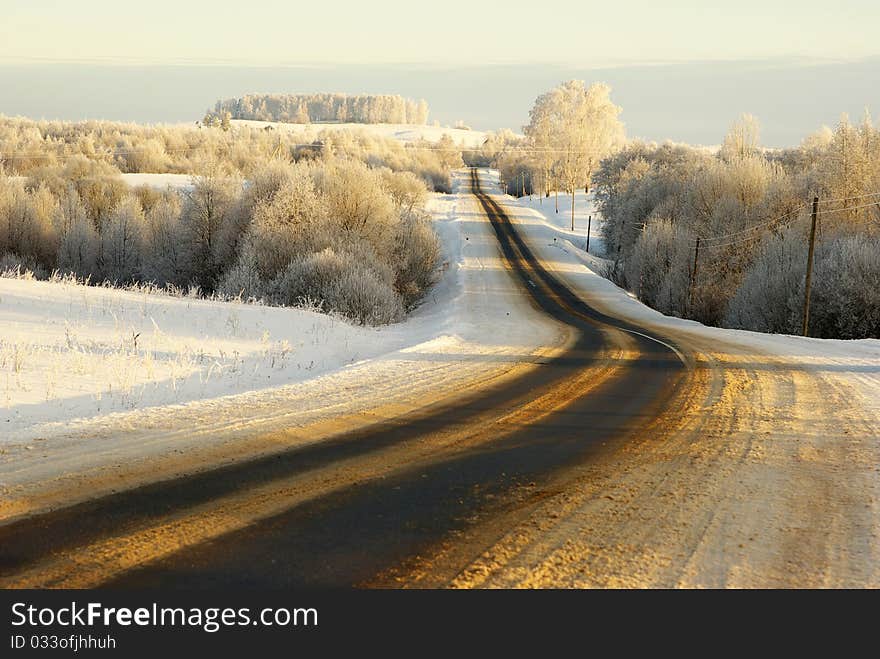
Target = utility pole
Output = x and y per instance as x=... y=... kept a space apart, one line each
x=694 y=275
x=589 y=222
x=813 y=215
x=572 y=209
x=523 y=176
x=557 y=193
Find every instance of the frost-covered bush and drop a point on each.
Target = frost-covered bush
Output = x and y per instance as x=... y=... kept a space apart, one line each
x=122 y=242
x=291 y=221
x=243 y=279
x=93 y=153
x=659 y=267
x=770 y=297
x=407 y=190
x=416 y=255
x=845 y=296
x=27 y=226
x=343 y=282
x=15 y=266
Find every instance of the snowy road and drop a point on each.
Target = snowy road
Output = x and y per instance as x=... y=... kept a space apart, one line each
x=633 y=450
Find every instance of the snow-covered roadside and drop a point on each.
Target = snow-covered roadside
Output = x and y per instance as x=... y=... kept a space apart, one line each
x=586 y=217
x=70 y=351
x=207 y=373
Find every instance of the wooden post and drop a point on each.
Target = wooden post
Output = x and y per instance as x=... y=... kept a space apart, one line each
x=557 y=194
x=523 y=175
x=572 y=208
x=589 y=223
x=809 y=282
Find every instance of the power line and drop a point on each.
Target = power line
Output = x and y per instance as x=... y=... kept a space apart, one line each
x=776 y=221
x=863 y=196
x=874 y=204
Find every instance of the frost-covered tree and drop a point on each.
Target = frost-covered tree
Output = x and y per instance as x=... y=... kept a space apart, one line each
x=26 y=223
x=406 y=189
x=78 y=248
x=581 y=126
x=122 y=242
x=293 y=220
x=320 y=107
x=742 y=140
x=209 y=207
x=167 y=257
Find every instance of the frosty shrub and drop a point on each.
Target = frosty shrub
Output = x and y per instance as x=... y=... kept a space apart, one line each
x=122 y=242
x=243 y=279
x=353 y=207
x=750 y=208
x=845 y=298
x=93 y=153
x=770 y=297
x=291 y=221
x=343 y=282
x=659 y=266
x=78 y=251
x=15 y=266
x=407 y=190
x=417 y=253
x=846 y=288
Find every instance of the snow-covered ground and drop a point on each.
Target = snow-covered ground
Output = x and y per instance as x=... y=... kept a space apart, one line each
x=401 y=132
x=72 y=351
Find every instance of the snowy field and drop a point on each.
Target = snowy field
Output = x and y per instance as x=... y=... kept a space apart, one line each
x=69 y=351
x=401 y=132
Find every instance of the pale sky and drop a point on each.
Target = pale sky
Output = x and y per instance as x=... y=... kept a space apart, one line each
x=572 y=32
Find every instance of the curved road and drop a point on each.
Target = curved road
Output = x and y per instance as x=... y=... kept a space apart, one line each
x=558 y=477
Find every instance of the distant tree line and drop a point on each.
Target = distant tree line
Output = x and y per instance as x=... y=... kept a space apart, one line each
x=323 y=107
